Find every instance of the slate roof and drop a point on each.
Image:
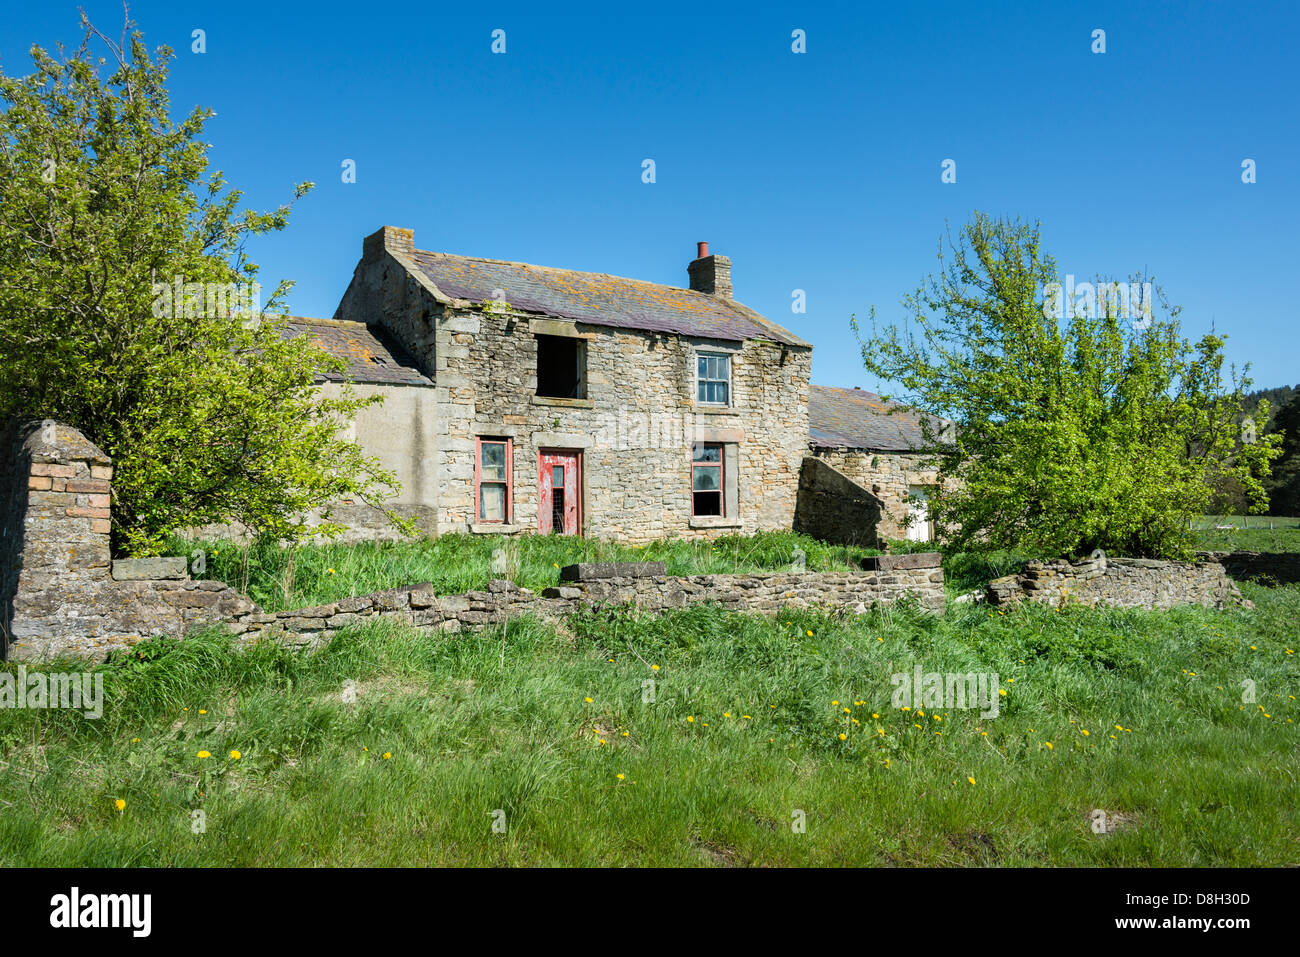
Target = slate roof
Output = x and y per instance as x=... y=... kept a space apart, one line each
x=598 y=299
x=372 y=354
x=857 y=419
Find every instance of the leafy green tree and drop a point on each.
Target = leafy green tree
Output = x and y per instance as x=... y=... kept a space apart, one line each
x=1084 y=431
x=1284 y=485
x=127 y=308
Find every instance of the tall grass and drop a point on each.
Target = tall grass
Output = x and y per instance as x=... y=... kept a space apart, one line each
x=278 y=579
x=539 y=722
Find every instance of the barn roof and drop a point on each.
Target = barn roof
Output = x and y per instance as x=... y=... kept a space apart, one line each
x=857 y=419
x=598 y=299
x=373 y=356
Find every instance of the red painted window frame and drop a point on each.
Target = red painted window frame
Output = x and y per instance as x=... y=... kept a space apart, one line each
x=479 y=441
x=721 y=466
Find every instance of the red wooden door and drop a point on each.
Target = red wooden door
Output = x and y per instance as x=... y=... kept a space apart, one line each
x=559 y=491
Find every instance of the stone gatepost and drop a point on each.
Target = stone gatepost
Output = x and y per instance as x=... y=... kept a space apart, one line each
x=54 y=527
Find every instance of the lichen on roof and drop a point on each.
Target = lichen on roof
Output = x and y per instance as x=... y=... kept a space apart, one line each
x=372 y=355
x=598 y=298
x=857 y=419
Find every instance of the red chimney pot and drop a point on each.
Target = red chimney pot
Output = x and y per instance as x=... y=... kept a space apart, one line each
x=701 y=250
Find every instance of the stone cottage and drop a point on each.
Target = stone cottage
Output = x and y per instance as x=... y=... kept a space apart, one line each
x=522 y=398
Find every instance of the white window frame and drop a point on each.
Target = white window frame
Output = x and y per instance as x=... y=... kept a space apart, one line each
x=730 y=380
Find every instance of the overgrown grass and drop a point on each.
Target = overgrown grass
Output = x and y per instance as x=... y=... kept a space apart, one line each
x=317 y=574
x=540 y=722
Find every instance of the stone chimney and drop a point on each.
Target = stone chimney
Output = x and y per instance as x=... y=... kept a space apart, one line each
x=392 y=238
x=711 y=274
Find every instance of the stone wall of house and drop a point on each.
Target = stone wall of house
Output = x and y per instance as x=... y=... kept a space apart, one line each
x=634 y=429
x=832 y=507
x=60 y=592
x=1119 y=582
x=887 y=476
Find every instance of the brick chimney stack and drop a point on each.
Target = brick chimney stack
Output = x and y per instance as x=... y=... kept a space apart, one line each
x=393 y=238
x=711 y=274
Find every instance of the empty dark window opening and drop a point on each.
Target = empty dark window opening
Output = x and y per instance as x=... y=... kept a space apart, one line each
x=561 y=367
x=706 y=478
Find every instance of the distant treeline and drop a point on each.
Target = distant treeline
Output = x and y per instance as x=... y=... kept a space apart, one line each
x=1284 y=484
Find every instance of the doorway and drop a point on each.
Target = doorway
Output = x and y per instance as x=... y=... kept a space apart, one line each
x=559 y=491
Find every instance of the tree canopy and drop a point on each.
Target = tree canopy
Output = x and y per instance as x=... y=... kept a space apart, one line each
x=1079 y=424
x=128 y=308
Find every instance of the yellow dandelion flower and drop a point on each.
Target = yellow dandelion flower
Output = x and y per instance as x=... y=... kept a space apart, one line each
x=1002 y=692
x=120 y=804
x=588 y=700
x=654 y=667
x=726 y=714
x=1049 y=745
x=809 y=634
x=135 y=740
x=843 y=736
x=387 y=755
x=203 y=711
x=205 y=754
x=971 y=780
x=745 y=716
x=235 y=755
x=1084 y=732
x=690 y=719
x=619 y=776
x=625 y=734
x=329 y=571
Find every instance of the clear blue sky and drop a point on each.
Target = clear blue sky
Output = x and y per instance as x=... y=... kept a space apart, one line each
x=818 y=171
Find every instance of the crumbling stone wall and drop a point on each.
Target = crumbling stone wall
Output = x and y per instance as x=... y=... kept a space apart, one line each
x=889 y=579
x=1266 y=568
x=1119 y=582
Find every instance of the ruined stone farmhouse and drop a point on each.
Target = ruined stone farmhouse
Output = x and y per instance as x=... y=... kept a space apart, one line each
x=522 y=398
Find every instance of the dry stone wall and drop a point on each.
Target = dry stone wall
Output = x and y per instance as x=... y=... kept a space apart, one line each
x=586 y=588
x=1119 y=582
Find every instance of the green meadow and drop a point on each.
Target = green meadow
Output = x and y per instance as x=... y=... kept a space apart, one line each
x=701 y=738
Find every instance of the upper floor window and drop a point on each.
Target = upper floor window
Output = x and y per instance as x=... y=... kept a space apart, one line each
x=561 y=367
x=713 y=378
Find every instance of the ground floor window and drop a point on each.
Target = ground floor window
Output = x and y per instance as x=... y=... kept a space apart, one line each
x=492 y=468
x=706 y=478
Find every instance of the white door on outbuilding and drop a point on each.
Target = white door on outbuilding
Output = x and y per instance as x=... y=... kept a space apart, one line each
x=919 y=528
